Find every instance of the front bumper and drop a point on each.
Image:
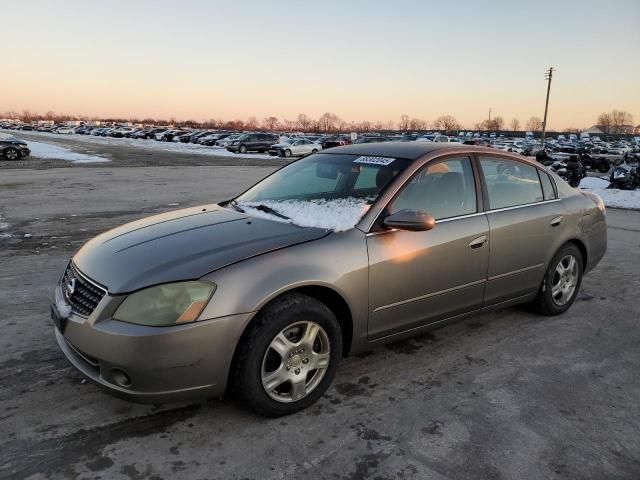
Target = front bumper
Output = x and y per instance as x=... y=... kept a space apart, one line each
x=160 y=364
x=233 y=148
x=24 y=152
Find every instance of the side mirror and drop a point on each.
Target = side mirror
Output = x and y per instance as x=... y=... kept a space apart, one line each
x=414 y=221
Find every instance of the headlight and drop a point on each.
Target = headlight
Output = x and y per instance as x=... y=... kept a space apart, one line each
x=165 y=305
x=235 y=143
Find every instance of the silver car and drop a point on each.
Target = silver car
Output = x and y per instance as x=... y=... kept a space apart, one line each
x=295 y=148
x=333 y=254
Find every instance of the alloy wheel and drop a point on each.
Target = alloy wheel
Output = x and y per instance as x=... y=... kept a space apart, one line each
x=565 y=280
x=295 y=362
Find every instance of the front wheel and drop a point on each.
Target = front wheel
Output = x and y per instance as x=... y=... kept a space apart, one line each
x=561 y=282
x=242 y=149
x=287 y=153
x=288 y=357
x=11 y=154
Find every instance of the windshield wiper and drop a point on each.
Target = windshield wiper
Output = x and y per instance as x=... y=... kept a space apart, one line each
x=236 y=206
x=264 y=208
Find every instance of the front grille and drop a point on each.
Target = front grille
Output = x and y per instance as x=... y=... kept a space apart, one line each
x=82 y=295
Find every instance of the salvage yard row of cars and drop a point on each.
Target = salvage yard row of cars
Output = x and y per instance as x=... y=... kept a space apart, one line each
x=299 y=144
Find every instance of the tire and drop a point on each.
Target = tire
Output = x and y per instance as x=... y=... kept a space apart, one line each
x=603 y=166
x=287 y=153
x=11 y=154
x=242 y=149
x=315 y=150
x=549 y=303
x=285 y=322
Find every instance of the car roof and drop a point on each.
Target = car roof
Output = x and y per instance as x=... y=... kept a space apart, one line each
x=416 y=150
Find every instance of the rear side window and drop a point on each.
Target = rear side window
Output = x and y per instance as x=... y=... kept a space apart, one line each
x=510 y=183
x=547 y=187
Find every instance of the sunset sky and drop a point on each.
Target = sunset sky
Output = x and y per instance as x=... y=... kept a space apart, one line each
x=359 y=59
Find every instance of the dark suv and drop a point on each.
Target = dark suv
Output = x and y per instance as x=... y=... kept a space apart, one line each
x=13 y=149
x=256 y=142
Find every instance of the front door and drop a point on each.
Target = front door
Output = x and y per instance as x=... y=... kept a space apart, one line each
x=417 y=278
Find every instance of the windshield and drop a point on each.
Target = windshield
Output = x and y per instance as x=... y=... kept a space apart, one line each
x=323 y=190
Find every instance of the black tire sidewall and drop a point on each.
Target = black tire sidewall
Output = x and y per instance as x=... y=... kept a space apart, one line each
x=285 y=311
x=549 y=306
x=242 y=149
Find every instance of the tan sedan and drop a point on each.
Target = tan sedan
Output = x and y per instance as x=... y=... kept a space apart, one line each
x=333 y=254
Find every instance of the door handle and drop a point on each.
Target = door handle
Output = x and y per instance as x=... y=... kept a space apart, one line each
x=478 y=242
x=556 y=221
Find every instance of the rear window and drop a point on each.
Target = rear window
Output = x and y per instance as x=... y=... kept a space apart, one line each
x=547 y=186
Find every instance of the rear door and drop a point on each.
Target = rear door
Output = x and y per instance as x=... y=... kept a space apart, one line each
x=417 y=278
x=523 y=222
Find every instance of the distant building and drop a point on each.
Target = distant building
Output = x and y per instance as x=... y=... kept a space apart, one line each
x=637 y=129
x=594 y=130
x=622 y=130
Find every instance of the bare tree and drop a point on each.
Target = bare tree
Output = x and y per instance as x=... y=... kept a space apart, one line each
x=303 y=122
x=417 y=124
x=446 y=122
x=534 y=124
x=605 y=122
x=252 y=123
x=270 y=123
x=514 y=124
x=328 y=121
x=619 y=119
x=404 y=122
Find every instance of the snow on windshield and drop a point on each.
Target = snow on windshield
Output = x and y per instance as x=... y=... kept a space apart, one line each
x=338 y=215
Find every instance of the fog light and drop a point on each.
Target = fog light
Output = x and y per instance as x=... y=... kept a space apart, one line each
x=121 y=378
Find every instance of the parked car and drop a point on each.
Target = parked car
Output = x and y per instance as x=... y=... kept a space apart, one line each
x=66 y=130
x=167 y=135
x=296 y=148
x=120 y=132
x=328 y=244
x=13 y=149
x=252 y=142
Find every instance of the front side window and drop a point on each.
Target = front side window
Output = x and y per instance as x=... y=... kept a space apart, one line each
x=443 y=189
x=510 y=183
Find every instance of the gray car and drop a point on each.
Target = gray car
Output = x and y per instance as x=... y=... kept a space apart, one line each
x=331 y=255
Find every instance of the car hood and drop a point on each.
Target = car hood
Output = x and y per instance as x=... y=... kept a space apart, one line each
x=182 y=245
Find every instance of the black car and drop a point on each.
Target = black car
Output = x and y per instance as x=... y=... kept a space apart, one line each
x=14 y=149
x=256 y=142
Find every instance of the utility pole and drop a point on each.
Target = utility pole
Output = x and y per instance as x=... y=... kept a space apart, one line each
x=489 y=115
x=547 y=76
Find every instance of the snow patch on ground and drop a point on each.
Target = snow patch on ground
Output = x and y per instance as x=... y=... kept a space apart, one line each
x=337 y=215
x=46 y=150
x=177 y=147
x=611 y=197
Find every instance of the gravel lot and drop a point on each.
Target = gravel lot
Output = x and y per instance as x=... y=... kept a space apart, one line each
x=506 y=395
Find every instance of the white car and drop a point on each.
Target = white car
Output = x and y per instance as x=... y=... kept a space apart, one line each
x=66 y=130
x=295 y=148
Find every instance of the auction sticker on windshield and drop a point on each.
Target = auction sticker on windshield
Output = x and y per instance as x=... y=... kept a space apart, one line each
x=374 y=160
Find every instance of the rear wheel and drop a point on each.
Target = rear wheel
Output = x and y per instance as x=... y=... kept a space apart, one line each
x=288 y=357
x=603 y=166
x=561 y=282
x=11 y=154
